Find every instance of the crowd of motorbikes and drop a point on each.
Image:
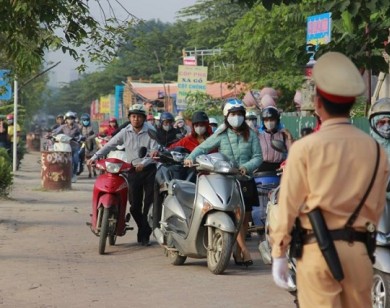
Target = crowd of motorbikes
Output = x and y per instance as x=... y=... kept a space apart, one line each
x=198 y=211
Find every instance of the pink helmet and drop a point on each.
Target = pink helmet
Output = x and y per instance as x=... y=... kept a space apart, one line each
x=270 y=91
x=267 y=101
x=10 y=116
x=113 y=120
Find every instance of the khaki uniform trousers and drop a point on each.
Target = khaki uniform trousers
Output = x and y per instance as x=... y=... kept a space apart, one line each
x=317 y=287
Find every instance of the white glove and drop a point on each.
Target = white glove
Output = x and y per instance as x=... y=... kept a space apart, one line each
x=280 y=272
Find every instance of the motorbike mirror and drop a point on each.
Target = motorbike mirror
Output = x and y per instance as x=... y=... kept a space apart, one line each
x=142 y=152
x=279 y=146
x=152 y=134
x=388 y=186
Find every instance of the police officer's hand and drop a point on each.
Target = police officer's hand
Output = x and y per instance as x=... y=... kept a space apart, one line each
x=139 y=167
x=280 y=272
x=187 y=163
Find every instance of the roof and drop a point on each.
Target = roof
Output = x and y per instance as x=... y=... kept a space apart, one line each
x=150 y=91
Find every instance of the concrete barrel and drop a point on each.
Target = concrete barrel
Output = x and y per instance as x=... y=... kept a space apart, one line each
x=56 y=171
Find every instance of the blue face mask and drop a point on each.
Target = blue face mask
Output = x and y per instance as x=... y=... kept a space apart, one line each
x=85 y=123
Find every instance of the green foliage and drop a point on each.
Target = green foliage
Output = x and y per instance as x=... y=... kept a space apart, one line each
x=6 y=175
x=29 y=28
x=199 y=101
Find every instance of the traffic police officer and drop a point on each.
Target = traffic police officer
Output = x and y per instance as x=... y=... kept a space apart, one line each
x=330 y=170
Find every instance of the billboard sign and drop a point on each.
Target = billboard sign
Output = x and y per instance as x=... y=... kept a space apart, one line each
x=190 y=79
x=319 y=29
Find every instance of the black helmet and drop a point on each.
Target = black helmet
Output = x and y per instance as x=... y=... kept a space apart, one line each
x=270 y=112
x=85 y=117
x=166 y=116
x=199 y=116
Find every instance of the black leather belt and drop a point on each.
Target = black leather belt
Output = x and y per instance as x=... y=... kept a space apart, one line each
x=338 y=235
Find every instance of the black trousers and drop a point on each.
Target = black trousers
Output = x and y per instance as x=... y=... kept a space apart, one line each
x=141 y=197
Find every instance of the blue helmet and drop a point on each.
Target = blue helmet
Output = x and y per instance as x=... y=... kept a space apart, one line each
x=167 y=116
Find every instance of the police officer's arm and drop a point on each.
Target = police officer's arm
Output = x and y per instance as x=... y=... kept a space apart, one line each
x=293 y=192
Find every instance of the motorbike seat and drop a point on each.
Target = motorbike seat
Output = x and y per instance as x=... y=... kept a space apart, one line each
x=185 y=193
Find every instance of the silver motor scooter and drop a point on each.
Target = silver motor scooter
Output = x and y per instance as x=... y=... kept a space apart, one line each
x=380 y=292
x=202 y=220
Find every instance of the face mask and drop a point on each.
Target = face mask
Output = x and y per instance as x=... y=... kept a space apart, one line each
x=166 y=127
x=200 y=130
x=86 y=123
x=384 y=131
x=235 y=121
x=151 y=122
x=270 y=125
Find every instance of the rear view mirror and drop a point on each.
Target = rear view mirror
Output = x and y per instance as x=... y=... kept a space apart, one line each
x=142 y=152
x=279 y=145
x=152 y=134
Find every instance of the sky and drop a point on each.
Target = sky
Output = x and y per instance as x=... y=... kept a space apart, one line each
x=165 y=10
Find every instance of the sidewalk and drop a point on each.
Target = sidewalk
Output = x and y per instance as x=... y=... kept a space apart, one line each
x=49 y=258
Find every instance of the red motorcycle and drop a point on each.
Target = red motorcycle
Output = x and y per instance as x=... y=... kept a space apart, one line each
x=109 y=203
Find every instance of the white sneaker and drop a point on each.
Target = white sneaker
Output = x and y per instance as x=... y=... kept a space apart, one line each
x=74 y=178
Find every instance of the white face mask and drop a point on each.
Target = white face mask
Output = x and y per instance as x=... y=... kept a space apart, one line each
x=384 y=131
x=270 y=125
x=200 y=130
x=235 y=121
x=166 y=127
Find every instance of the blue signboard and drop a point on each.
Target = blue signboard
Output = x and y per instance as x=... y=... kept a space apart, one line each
x=5 y=85
x=118 y=109
x=319 y=29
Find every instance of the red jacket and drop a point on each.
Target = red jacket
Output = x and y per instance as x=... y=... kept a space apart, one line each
x=189 y=142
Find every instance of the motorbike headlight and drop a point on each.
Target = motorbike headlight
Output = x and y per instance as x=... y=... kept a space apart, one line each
x=113 y=167
x=222 y=167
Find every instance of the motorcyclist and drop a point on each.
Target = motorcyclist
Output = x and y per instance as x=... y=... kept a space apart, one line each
x=379 y=120
x=141 y=182
x=166 y=133
x=272 y=129
x=251 y=120
x=214 y=124
x=90 y=146
x=59 y=121
x=180 y=124
x=3 y=132
x=238 y=142
x=112 y=127
x=201 y=130
x=71 y=129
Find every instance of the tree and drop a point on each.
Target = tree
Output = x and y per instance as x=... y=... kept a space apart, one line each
x=30 y=28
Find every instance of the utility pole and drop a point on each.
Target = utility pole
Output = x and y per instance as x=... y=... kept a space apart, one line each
x=163 y=80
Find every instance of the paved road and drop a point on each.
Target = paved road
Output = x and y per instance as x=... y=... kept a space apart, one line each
x=49 y=258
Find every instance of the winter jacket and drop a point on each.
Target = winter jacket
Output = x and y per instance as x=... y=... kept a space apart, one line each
x=246 y=154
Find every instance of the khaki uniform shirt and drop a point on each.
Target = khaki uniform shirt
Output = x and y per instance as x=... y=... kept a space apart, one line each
x=330 y=169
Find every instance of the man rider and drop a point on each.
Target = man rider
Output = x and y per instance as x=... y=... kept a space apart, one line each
x=133 y=137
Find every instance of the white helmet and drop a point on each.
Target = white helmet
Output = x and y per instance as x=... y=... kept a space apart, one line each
x=213 y=121
x=70 y=115
x=233 y=104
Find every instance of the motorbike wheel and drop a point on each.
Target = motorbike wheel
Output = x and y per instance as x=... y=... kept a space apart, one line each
x=380 y=291
x=218 y=256
x=176 y=258
x=104 y=230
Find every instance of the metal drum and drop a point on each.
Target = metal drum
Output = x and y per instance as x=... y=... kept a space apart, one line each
x=56 y=171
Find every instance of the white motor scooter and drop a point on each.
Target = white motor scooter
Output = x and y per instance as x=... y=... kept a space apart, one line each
x=202 y=220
